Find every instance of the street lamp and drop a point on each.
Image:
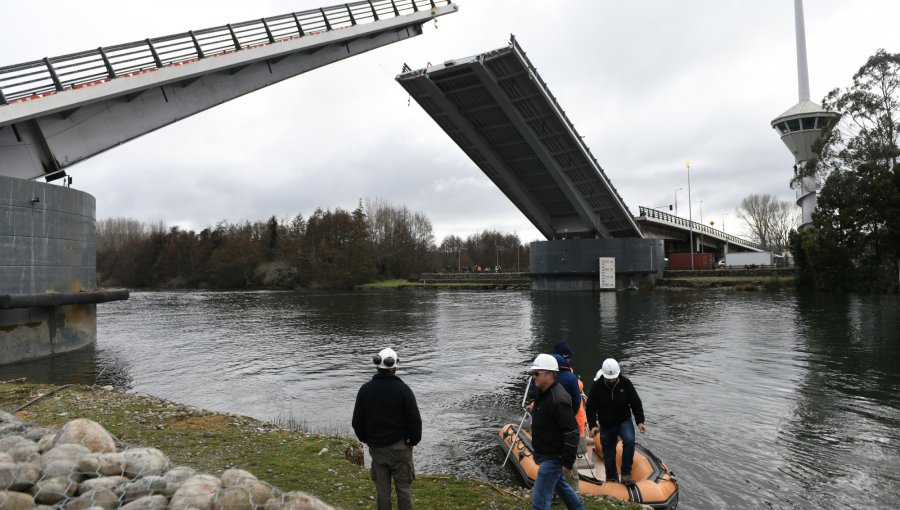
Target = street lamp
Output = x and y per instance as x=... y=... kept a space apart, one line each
x=687 y=165
x=497 y=265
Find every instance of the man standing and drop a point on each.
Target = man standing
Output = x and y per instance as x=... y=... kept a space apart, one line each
x=387 y=419
x=610 y=403
x=554 y=436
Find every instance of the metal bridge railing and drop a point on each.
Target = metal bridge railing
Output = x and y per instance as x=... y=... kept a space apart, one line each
x=648 y=212
x=39 y=78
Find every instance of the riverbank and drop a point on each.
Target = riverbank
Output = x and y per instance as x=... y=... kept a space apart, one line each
x=327 y=467
x=750 y=283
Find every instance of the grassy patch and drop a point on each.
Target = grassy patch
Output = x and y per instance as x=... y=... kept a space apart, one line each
x=213 y=442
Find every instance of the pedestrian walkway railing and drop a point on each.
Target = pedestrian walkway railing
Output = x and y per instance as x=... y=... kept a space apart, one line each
x=39 y=78
x=648 y=212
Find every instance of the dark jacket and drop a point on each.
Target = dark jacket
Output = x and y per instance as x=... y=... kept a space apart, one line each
x=386 y=412
x=553 y=427
x=567 y=378
x=611 y=406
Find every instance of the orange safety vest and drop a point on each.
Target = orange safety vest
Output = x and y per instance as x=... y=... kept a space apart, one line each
x=581 y=415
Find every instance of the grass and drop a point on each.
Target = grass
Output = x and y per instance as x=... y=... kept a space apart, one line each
x=325 y=466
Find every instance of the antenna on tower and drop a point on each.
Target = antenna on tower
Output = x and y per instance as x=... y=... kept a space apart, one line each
x=802 y=69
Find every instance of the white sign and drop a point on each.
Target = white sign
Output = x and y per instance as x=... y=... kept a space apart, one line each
x=608 y=273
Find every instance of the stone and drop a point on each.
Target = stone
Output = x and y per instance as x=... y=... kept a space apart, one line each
x=19 y=476
x=102 y=464
x=9 y=428
x=53 y=490
x=260 y=492
x=100 y=498
x=46 y=442
x=196 y=492
x=10 y=442
x=87 y=433
x=145 y=461
x=175 y=477
x=156 y=502
x=113 y=483
x=68 y=451
x=232 y=498
x=296 y=500
x=5 y=457
x=144 y=486
x=10 y=500
x=36 y=433
x=9 y=418
x=63 y=469
x=233 y=477
x=25 y=452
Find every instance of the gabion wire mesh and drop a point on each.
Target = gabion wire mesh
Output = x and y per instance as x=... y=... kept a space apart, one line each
x=80 y=466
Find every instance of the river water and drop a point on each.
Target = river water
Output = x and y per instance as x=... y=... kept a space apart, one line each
x=752 y=399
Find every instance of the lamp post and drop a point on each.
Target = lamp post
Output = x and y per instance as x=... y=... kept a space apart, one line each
x=497 y=265
x=687 y=165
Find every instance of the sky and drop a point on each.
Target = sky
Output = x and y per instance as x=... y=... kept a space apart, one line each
x=648 y=84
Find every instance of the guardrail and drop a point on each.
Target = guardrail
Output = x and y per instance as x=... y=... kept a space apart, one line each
x=648 y=212
x=50 y=75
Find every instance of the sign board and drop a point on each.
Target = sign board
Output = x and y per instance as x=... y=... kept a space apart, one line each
x=607 y=273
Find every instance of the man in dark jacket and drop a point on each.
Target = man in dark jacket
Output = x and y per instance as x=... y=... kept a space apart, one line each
x=554 y=437
x=610 y=403
x=387 y=419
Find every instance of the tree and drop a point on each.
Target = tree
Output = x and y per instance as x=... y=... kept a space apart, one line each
x=769 y=220
x=855 y=241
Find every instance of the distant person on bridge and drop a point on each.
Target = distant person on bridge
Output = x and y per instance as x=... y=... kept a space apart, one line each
x=386 y=418
x=610 y=403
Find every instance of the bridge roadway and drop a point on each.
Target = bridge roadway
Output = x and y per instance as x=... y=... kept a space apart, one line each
x=661 y=225
x=59 y=111
x=500 y=112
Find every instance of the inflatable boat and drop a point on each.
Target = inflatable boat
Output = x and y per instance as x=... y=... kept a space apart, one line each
x=655 y=486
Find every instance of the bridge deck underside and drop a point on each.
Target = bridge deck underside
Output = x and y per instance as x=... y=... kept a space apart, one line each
x=499 y=112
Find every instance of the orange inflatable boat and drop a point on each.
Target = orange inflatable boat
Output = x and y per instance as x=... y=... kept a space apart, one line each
x=654 y=486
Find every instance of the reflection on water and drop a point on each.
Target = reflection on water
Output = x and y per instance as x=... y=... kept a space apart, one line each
x=752 y=399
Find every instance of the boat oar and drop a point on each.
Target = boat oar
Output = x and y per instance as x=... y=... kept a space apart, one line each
x=515 y=439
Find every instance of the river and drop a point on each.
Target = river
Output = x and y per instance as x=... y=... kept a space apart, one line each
x=752 y=399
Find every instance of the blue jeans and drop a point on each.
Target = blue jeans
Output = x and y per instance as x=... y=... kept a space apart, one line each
x=550 y=478
x=608 y=439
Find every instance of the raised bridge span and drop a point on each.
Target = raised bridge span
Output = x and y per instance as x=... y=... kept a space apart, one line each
x=58 y=111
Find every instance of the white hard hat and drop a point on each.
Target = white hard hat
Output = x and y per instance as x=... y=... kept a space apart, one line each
x=545 y=362
x=386 y=358
x=609 y=369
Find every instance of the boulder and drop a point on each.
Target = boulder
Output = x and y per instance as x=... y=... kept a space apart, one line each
x=156 y=502
x=296 y=500
x=233 y=477
x=87 y=433
x=9 y=418
x=63 y=469
x=260 y=492
x=9 y=442
x=46 y=442
x=232 y=498
x=10 y=500
x=113 y=483
x=102 y=464
x=36 y=433
x=175 y=477
x=144 y=486
x=145 y=461
x=196 y=492
x=53 y=490
x=67 y=451
x=25 y=452
x=100 y=498
x=19 y=477
x=5 y=457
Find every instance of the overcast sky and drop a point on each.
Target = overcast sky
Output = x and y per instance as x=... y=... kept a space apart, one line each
x=649 y=84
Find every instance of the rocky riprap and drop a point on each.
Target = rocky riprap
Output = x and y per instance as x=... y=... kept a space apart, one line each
x=80 y=466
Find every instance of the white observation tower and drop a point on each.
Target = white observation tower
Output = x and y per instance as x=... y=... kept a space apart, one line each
x=802 y=124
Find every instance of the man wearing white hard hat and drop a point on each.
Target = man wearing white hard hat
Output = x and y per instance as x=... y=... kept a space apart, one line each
x=610 y=403
x=554 y=436
x=386 y=418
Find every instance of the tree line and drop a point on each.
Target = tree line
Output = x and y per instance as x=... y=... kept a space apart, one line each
x=329 y=249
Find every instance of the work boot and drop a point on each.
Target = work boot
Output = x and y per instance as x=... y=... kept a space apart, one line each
x=627 y=480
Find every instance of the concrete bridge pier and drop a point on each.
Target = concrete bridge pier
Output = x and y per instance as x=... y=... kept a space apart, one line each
x=573 y=264
x=48 y=294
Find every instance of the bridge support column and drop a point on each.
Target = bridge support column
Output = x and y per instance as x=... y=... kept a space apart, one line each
x=47 y=270
x=572 y=264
